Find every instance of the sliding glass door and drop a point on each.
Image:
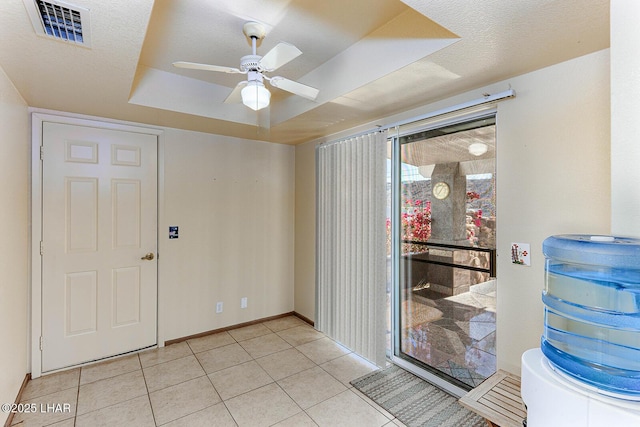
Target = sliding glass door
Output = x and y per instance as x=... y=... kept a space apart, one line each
x=442 y=233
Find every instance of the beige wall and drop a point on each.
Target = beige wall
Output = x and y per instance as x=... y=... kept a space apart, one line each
x=234 y=203
x=14 y=214
x=557 y=127
x=553 y=177
x=305 y=231
x=625 y=126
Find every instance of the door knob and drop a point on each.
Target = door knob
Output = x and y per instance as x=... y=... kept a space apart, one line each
x=148 y=256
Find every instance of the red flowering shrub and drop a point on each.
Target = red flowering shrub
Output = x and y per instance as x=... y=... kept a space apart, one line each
x=416 y=221
x=416 y=225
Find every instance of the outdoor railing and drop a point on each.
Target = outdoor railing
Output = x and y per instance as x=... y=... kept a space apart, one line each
x=492 y=256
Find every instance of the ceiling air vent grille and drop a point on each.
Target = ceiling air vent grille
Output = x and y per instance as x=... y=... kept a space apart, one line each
x=61 y=21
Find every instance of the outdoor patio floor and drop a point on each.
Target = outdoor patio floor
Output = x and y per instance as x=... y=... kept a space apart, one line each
x=456 y=335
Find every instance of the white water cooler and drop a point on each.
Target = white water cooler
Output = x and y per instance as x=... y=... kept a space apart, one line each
x=586 y=372
x=553 y=400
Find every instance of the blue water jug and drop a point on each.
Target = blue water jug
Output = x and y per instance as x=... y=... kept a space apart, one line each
x=592 y=311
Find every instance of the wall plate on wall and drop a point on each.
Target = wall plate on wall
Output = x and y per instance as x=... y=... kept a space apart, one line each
x=521 y=254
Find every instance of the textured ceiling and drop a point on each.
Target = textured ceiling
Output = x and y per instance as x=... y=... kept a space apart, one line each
x=368 y=58
x=452 y=148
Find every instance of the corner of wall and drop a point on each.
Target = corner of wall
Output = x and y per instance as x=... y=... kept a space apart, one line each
x=14 y=249
x=305 y=226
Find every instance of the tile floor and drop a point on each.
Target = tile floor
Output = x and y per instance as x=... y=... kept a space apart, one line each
x=458 y=335
x=281 y=372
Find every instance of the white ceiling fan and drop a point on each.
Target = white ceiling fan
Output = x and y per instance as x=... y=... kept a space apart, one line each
x=252 y=92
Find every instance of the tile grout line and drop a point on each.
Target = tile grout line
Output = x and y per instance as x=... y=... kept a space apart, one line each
x=274 y=381
x=75 y=416
x=115 y=404
x=371 y=403
x=182 y=382
x=254 y=359
x=144 y=377
x=211 y=382
x=302 y=410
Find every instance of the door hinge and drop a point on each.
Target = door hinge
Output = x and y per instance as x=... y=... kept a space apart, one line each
x=41 y=248
x=41 y=343
x=42 y=152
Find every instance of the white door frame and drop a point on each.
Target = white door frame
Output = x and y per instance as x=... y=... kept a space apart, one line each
x=38 y=117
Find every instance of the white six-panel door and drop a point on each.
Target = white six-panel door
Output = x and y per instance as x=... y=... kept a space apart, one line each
x=99 y=222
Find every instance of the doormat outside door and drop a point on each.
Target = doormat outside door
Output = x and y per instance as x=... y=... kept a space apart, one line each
x=414 y=401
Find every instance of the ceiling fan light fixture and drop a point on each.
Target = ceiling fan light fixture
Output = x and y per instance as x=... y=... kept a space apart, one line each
x=255 y=95
x=252 y=91
x=478 y=148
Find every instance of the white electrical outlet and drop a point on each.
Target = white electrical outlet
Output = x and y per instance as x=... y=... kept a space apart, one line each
x=243 y=302
x=219 y=307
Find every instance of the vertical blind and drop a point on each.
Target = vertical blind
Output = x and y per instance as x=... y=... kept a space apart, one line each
x=351 y=243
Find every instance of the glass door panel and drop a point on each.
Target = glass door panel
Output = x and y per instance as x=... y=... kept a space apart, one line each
x=446 y=309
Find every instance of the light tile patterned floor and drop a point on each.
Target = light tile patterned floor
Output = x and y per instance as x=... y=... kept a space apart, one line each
x=277 y=373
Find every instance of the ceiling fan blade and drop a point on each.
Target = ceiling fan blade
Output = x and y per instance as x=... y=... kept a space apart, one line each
x=206 y=67
x=236 y=94
x=294 y=87
x=279 y=55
